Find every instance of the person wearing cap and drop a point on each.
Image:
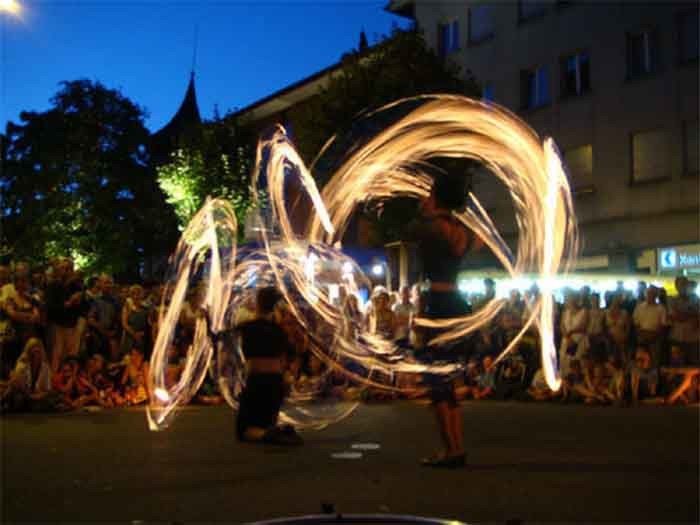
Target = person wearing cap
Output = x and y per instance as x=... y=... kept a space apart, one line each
x=266 y=350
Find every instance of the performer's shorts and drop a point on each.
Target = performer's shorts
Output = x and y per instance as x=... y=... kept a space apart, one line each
x=441 y=305
x=260 y=402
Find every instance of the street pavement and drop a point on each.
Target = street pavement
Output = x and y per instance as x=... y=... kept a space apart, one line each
x=532 y=462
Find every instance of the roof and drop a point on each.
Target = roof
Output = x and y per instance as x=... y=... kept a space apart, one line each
x=288 y=96
x=186 y=117
x=405 y=8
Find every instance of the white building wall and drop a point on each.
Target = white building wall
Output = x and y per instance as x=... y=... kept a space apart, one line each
x=619 y=216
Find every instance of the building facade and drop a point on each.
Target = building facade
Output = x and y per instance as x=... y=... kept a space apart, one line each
x=616 y=85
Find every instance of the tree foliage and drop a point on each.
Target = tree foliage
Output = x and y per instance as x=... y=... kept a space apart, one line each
x=218 y=167
x=77 y=182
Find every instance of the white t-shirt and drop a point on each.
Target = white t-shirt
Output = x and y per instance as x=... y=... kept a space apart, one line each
x=649 y=317
x=403 y=314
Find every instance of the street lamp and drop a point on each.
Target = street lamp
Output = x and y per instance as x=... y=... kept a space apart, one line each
x=10 y=6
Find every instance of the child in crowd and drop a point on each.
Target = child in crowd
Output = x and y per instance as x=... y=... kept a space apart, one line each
x=644 y=378
x=486 y=384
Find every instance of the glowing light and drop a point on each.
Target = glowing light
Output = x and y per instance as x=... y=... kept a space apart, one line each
x=162 y=394
x=10 y=6
x=387 y=166
x=347 y=267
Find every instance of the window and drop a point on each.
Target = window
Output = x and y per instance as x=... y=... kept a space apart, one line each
x=530 y=9
x=448 y=38
x=688 y=44
x=579 y=162
x=691 y=144
x=534 y=88
x=487 y=93
x=649 y=156
x=642 y=53
x=575 y=75
x=480 y=23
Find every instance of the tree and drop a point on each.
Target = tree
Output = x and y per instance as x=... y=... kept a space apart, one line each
x=77 y=182
x=400 y=66
x=219 y=167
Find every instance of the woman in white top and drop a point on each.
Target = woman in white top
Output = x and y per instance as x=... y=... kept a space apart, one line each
x=29 y=386
x=617 y=324
x=574 y=341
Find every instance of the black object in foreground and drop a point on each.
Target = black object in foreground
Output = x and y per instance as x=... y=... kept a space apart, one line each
x=367 y=519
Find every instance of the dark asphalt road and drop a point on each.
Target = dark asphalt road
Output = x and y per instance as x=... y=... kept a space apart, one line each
x=535 y=462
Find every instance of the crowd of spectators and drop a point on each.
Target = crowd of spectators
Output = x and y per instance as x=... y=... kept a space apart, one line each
x=69 y=342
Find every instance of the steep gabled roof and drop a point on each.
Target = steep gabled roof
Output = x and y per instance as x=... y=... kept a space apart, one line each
x=186 y=119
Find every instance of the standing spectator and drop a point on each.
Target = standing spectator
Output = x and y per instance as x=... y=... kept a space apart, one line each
x=684 y=316
x=4 y=276
x=104 y=320
x=8 y=290
x=617 y=324
x=23 y=311
x=512 y=316
x=650 y=322
x=64 y=303
x=134 y=319
x=596 y=329
x=574 y=343
x=403 y=311
x=382 y=320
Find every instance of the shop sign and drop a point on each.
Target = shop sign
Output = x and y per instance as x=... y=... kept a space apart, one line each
x=679 y=258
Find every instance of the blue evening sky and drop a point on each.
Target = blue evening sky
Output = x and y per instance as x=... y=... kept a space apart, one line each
x=246 y=50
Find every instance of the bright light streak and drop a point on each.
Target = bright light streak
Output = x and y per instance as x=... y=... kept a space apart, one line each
x=162 y=394
x=387 y=166
x=347 y=267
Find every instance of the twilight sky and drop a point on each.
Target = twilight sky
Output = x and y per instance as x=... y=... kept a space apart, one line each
x=245 y=51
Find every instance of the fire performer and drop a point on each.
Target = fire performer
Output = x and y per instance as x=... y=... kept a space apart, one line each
x=443 y=242
x=267 y=350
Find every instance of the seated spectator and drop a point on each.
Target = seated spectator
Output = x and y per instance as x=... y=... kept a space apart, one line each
x=64 y=382
x=486 y=384
x=510 y=381
x=595 y=387
x=644 y=378
x=93 y=387
x=29 y=387
x=135 y=379
x=573 y=382
x=616 y=379
x=312 y=380
x=470 y=382
x=539 y=389
x=682 y=388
